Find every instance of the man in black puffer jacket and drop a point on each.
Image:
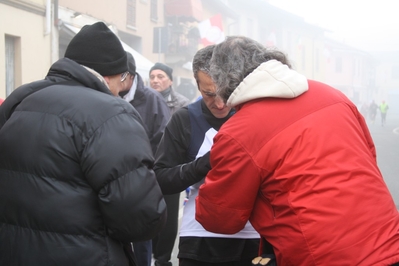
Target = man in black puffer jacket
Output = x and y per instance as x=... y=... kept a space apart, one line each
x=76 y=179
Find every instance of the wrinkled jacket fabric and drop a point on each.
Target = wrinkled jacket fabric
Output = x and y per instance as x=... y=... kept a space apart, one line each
x=175 y=101
x=153 y=111
x=75 y=173
x=298 y=161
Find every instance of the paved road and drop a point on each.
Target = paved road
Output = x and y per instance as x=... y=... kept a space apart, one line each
x=386 y=140
x=174 y=259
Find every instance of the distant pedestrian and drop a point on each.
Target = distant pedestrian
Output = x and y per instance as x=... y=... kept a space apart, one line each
x=364 y=109
x=383 y=109
x=373 y=107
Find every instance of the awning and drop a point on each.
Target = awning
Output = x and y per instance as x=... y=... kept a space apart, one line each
x=187 y=9
x=143 y=65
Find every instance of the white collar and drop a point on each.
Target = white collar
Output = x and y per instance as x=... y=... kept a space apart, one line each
x=130 y=95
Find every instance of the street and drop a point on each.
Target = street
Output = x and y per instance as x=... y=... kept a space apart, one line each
x=386 y=140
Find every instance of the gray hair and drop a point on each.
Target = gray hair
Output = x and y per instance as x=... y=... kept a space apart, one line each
x=201 y=61
x=235 y=58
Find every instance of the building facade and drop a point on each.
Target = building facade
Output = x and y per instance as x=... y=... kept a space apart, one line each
x=37 y=32
x=25 y=46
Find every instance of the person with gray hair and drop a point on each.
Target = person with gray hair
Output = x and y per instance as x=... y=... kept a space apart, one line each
x=182 y=160
x=297 y=160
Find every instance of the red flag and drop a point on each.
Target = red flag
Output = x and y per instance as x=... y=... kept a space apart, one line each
x=211 y=30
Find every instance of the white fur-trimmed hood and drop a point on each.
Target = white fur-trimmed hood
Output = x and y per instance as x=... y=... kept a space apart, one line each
x=270 y=79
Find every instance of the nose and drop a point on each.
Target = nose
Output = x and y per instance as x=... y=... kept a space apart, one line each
x=219 y=102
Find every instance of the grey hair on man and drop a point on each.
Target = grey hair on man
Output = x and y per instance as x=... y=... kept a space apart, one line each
x=235 y=58
x=201 y=61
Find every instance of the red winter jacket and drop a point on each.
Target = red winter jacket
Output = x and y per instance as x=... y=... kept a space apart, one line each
x=303 y=170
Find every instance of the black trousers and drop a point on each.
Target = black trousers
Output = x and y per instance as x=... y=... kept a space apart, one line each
x=188 y=262
x=162 y=245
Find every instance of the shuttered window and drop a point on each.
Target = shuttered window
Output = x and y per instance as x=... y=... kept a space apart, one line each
x=154 y=10
x=131 y=13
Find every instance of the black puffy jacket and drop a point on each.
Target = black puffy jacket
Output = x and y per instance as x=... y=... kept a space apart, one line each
x=75 y=173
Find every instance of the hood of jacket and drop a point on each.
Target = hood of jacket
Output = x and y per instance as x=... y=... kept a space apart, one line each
x=270 y=79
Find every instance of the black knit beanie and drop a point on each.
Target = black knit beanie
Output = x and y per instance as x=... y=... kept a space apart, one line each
x=164 y=68
x=131 y=63
x=97 y=47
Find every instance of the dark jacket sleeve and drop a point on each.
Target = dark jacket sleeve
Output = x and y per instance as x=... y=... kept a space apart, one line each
x=117 y=162
x=161 y=119
x=173 y=169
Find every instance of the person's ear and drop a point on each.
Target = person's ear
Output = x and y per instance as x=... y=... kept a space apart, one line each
x=107 y=79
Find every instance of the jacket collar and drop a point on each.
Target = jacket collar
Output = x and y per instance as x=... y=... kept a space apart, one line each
x=270 y=79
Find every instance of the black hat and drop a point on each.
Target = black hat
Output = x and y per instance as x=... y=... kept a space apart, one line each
x=164 y=68
x=131 y=63
x=97 y=47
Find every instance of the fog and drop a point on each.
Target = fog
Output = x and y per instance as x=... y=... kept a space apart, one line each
x=364 y=24
x=370 y=26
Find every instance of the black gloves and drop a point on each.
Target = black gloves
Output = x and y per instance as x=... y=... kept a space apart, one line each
x=202 y=166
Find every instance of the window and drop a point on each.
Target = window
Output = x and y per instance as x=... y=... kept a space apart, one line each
x=131 y=13
x=154 y=10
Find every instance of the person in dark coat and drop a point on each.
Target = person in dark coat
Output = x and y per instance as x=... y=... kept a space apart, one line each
x=161 y=80
x=76 y=178
x=182 y=160
x=155 y=115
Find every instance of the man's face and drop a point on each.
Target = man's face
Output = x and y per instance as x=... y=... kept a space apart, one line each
x=116 y=83
x=128 y=82
x=159 y=81
x=214 y=103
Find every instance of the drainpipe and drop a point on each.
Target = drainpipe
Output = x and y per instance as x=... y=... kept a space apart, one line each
x=55 y=33
x=56 y=19
x=48 y=17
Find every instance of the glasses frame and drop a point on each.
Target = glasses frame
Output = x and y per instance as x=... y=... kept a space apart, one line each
x=124 y=76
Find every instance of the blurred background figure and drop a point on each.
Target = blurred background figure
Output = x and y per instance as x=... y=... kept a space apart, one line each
x=364 y=109
x=373 y=107
x=383 y=109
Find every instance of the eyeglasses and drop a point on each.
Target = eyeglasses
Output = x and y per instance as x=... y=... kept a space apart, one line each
x=124 y=76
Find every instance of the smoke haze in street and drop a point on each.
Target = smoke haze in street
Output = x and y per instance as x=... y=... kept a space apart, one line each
x=364 y=24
